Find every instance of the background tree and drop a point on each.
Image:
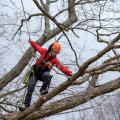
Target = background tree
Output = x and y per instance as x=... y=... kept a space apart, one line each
x=89 y=34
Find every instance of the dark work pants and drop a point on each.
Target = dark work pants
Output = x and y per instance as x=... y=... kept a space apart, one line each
x=45 y=78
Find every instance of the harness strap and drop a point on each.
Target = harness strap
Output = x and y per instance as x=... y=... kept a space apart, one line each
x=45 y=62
x=41 y=68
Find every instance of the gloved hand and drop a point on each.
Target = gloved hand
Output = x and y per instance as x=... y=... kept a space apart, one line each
x=49 y=65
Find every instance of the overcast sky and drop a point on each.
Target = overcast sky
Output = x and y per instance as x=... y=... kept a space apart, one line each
x=87 y=44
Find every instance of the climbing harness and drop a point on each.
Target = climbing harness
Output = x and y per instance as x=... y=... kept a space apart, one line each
x=36 y=68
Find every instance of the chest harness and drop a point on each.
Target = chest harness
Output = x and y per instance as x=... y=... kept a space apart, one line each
x=42 y=68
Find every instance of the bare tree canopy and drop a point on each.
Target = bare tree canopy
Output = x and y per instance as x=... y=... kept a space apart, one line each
x=88 y=31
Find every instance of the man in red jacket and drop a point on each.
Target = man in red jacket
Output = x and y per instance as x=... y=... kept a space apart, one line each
x=42 y=69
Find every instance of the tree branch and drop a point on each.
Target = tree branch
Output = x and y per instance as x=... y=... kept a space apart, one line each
x=73 y=101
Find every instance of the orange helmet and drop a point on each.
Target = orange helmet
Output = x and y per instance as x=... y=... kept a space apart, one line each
x=56 y=46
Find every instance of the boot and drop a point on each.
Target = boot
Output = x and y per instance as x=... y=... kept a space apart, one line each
x=23 y=108
x=43 y=92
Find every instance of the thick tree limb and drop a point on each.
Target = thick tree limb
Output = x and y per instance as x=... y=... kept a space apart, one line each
x=70 y=102
x=73 y=101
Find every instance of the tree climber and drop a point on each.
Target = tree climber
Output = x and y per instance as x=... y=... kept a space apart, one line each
x=42 y=70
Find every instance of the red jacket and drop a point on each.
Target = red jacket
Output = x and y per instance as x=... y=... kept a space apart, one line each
x=54 y=61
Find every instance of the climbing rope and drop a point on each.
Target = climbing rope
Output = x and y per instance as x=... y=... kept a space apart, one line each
x=25 y=18
x=33 y=53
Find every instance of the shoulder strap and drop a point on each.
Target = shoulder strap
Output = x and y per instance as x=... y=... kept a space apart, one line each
x=49 y=49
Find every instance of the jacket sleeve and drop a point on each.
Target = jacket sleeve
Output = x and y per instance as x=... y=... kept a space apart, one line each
x=38 y=48
x=62 y=68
